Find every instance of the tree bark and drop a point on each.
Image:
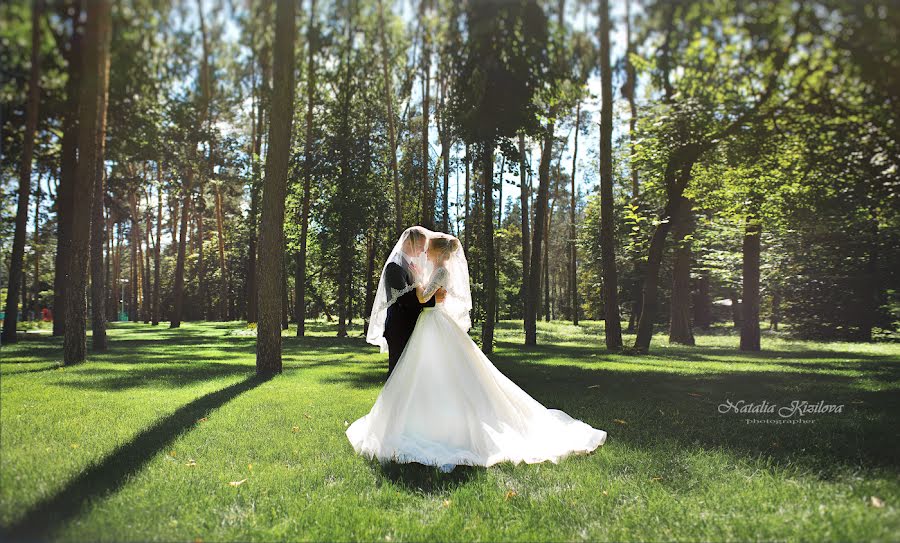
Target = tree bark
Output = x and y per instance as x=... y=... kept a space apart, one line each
x=147 y=284
x=545 y=267
x=252 y=293
x=300 y=279
x=223 y=267
x=156 y=248
x=490 y=277
x=445 y=154
x=31 y=118
x=271 y=235
x=630 y=86
x=532 y=296
x=67 y=172
x=98 y=232
x=676 y=177
x=96 y=53
x=613 y=326
x=392 y=127
x=468 y=236
x=680 y=307
x=526 y=233
x=573 y=255
x=136 y=257
x=750 y=304
x=178 y=288
x=427 y=195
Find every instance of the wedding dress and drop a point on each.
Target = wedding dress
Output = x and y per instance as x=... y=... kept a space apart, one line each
x=446 y=404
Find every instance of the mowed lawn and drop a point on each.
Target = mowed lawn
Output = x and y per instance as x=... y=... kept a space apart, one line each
x=170 y=437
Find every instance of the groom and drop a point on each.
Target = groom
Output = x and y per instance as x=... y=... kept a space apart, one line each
x=402 y=315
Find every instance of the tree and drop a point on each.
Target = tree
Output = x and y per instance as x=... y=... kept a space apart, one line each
x=96 y=52
x=271 y=234
x=31 y=118
x=613 y=328
x=680 y=306
x=700 y=116
x=386 y=62
x=499 y=68
x=523 y=197
x=67 y=168
x=98 y=232
x=312 y=39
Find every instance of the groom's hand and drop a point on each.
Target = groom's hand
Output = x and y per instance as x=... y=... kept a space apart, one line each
x=440 y=295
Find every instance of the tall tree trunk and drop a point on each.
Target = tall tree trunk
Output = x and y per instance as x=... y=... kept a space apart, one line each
x=98 y=239
x=147 y=284
x=445 y=154
x=203 y=173
x=114 y=280
x=98 y=232
x=31 y=118
x=490 y=277
x=136 y=257
x=36 y=285
x=110 y=284
x=750 y=322
x=255 y=183
x=300 y=280
x=392 y=129
x=96 y=53
x=680 y=306
x=200 y=209
x=545 y=267
x=468 y=233
x=67 y=172
x=532 y=296
x=629 y=90
x=178 y=288
x=156 y=248
x=526 y=233
x=427 y=195
x=500 y=193
x=677 y=175
x=613 y=325
x=573 y=255
x=223 y=268
x=271 y=235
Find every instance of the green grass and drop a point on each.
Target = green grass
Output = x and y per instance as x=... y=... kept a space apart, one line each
x=141 y=443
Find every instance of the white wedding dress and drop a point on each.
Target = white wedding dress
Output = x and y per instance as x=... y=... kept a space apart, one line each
x=446 y=404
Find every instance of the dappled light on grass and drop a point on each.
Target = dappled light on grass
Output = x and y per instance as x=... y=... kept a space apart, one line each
x=141 y=443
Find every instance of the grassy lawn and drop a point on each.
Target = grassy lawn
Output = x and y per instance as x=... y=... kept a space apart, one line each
x=142 y=442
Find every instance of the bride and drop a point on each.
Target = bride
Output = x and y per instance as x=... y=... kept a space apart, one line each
x=446 y=404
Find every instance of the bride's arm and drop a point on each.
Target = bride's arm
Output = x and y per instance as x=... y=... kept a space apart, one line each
x=425 y=293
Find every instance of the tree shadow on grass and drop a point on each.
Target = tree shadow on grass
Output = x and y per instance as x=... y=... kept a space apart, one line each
x=53 y=366
x=165 y=376
x=111 y=473
x=423 y=479
x=661 y=410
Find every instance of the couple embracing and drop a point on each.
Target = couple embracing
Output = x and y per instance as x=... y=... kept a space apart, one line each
x=444 y=403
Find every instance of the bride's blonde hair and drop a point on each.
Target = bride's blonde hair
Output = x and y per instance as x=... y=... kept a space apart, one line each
x=443 y=246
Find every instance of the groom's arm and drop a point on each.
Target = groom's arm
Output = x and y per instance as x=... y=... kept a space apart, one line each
x=395 y=278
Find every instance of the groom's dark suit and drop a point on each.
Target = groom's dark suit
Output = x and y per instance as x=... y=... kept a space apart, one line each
x=402 y=314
